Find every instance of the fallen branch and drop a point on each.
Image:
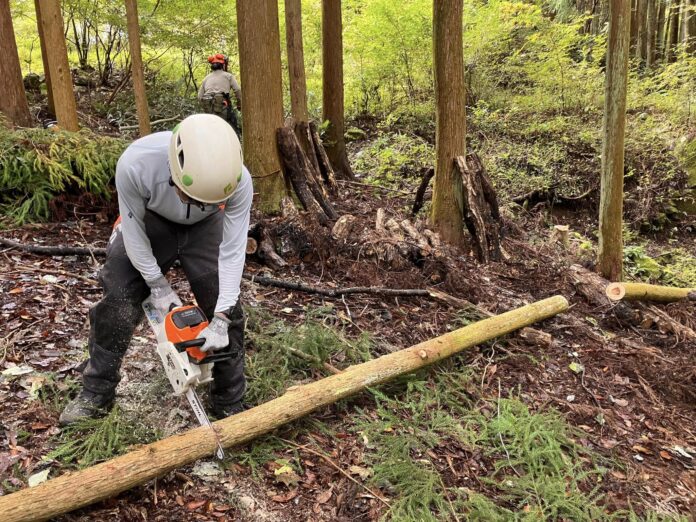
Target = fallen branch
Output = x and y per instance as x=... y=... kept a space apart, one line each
x=82 y=488
x=54 y=250
x=420 y=193
x=152 y=123
x=646 y=292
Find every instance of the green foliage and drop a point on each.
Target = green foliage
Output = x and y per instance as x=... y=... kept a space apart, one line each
x=93 y=440
x=394 y=159
x=674 y=267
x=272 y=367
x=38 y=164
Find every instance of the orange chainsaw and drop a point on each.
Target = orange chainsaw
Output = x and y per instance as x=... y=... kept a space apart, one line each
x=178 y=346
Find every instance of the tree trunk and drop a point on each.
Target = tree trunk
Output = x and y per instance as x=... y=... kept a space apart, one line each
x=137 y=67
x=650 y=32
x=262 y=97
x=641 y=9
x=645 y=292
x=610 y=260
x=661 y=18
x=332 y=89
x=296 y=68
x=13 y=99
x=44 y=59
x=450 y=136
x=81 y=488
x=59 y=68
x=690 y=25
x=673 y=33
x=634 y=26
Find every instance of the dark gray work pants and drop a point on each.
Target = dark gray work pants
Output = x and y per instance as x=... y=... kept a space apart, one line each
x=114 y=318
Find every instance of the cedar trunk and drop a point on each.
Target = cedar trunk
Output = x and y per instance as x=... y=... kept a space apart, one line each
x=296 y=69
x=44 y=59
x=262 y=97
x=137 y=67
x=13 y=99
x=673 y=32
x=81 y=488
x=58 y=66
x=332 y=88
x=610 y=261
x=650 y=32
x=661 y=18
x=450 y=137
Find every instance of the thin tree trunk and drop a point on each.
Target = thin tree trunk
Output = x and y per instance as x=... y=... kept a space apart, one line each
x=610 y=260
x=640 y=22
x=634 y=27
x=262 y=97
x=105 y=480
x=332 y=89
x=661 y=18
x=690 y=25
x=673 y=37
x=450 y=136
x=13 y=99
x=44 y=59
x=650 y=32
x=296 y=68
x=137 y=67
x=59 y=68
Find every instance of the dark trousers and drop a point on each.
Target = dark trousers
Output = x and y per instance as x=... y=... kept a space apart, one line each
x=114 y=318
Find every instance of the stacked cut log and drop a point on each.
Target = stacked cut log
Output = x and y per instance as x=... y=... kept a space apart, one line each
x=594 y=287
x=395 y=243
x=480 y=208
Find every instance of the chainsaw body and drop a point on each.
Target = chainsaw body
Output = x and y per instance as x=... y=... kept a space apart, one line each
x=178 y=347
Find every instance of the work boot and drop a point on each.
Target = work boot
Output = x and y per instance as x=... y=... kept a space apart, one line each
x=87 y=405
x=221 y=411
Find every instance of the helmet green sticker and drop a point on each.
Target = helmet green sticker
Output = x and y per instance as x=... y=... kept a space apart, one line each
x=239 y=178
x=228 y=188
x=176 y=127
x=187 y=180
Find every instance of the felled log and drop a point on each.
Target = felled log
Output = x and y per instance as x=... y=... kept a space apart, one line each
x=646 y=292
x=593 y=287
x=53 y=250
x=481 y=212
x=82 y=488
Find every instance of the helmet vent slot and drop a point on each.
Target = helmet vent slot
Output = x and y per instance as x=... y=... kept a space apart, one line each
x=181 y=159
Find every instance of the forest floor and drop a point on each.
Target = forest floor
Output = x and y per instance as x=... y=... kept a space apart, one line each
x=598 y=424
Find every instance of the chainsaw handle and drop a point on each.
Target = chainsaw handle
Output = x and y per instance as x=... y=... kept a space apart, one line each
x=198 y=341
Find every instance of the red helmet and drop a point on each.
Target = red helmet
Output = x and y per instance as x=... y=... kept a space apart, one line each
x=217 y=58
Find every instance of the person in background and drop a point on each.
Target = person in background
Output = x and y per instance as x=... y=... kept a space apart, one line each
x=214 y=94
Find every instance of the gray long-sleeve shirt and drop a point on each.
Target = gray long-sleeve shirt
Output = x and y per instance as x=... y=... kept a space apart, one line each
x=219 y=81
x=142 y=182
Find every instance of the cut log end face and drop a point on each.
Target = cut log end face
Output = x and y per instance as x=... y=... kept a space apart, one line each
x=615 y=291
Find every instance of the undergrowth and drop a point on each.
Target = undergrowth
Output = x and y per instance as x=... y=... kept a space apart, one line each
x=674 y=267
x=38 y=164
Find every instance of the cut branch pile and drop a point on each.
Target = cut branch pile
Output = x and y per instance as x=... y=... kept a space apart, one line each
x=71 y=491
x=395 y=243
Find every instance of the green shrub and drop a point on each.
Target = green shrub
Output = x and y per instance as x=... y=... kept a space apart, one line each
x=36 y=165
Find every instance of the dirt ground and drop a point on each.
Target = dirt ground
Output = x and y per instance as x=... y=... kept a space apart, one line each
x=635 y=402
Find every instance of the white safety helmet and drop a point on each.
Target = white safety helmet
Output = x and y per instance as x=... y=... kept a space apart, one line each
x=205 y=158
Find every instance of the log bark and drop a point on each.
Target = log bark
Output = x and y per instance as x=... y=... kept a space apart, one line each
x=450 y=134
x=299 y=170
x=480 y=205
x=13 y=99
x=327 y=171
x=646 y=292
x=57 y=58
x=420 y=193
x=81 y=488
x=137 y=68
x=610 y=257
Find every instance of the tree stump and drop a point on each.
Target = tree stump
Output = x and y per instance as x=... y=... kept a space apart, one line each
x=480 y=205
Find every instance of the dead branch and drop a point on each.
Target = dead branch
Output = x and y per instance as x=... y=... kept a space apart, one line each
x=420 y=193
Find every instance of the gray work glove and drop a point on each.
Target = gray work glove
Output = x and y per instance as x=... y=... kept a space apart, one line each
x=162 y=295
x=215 y=335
